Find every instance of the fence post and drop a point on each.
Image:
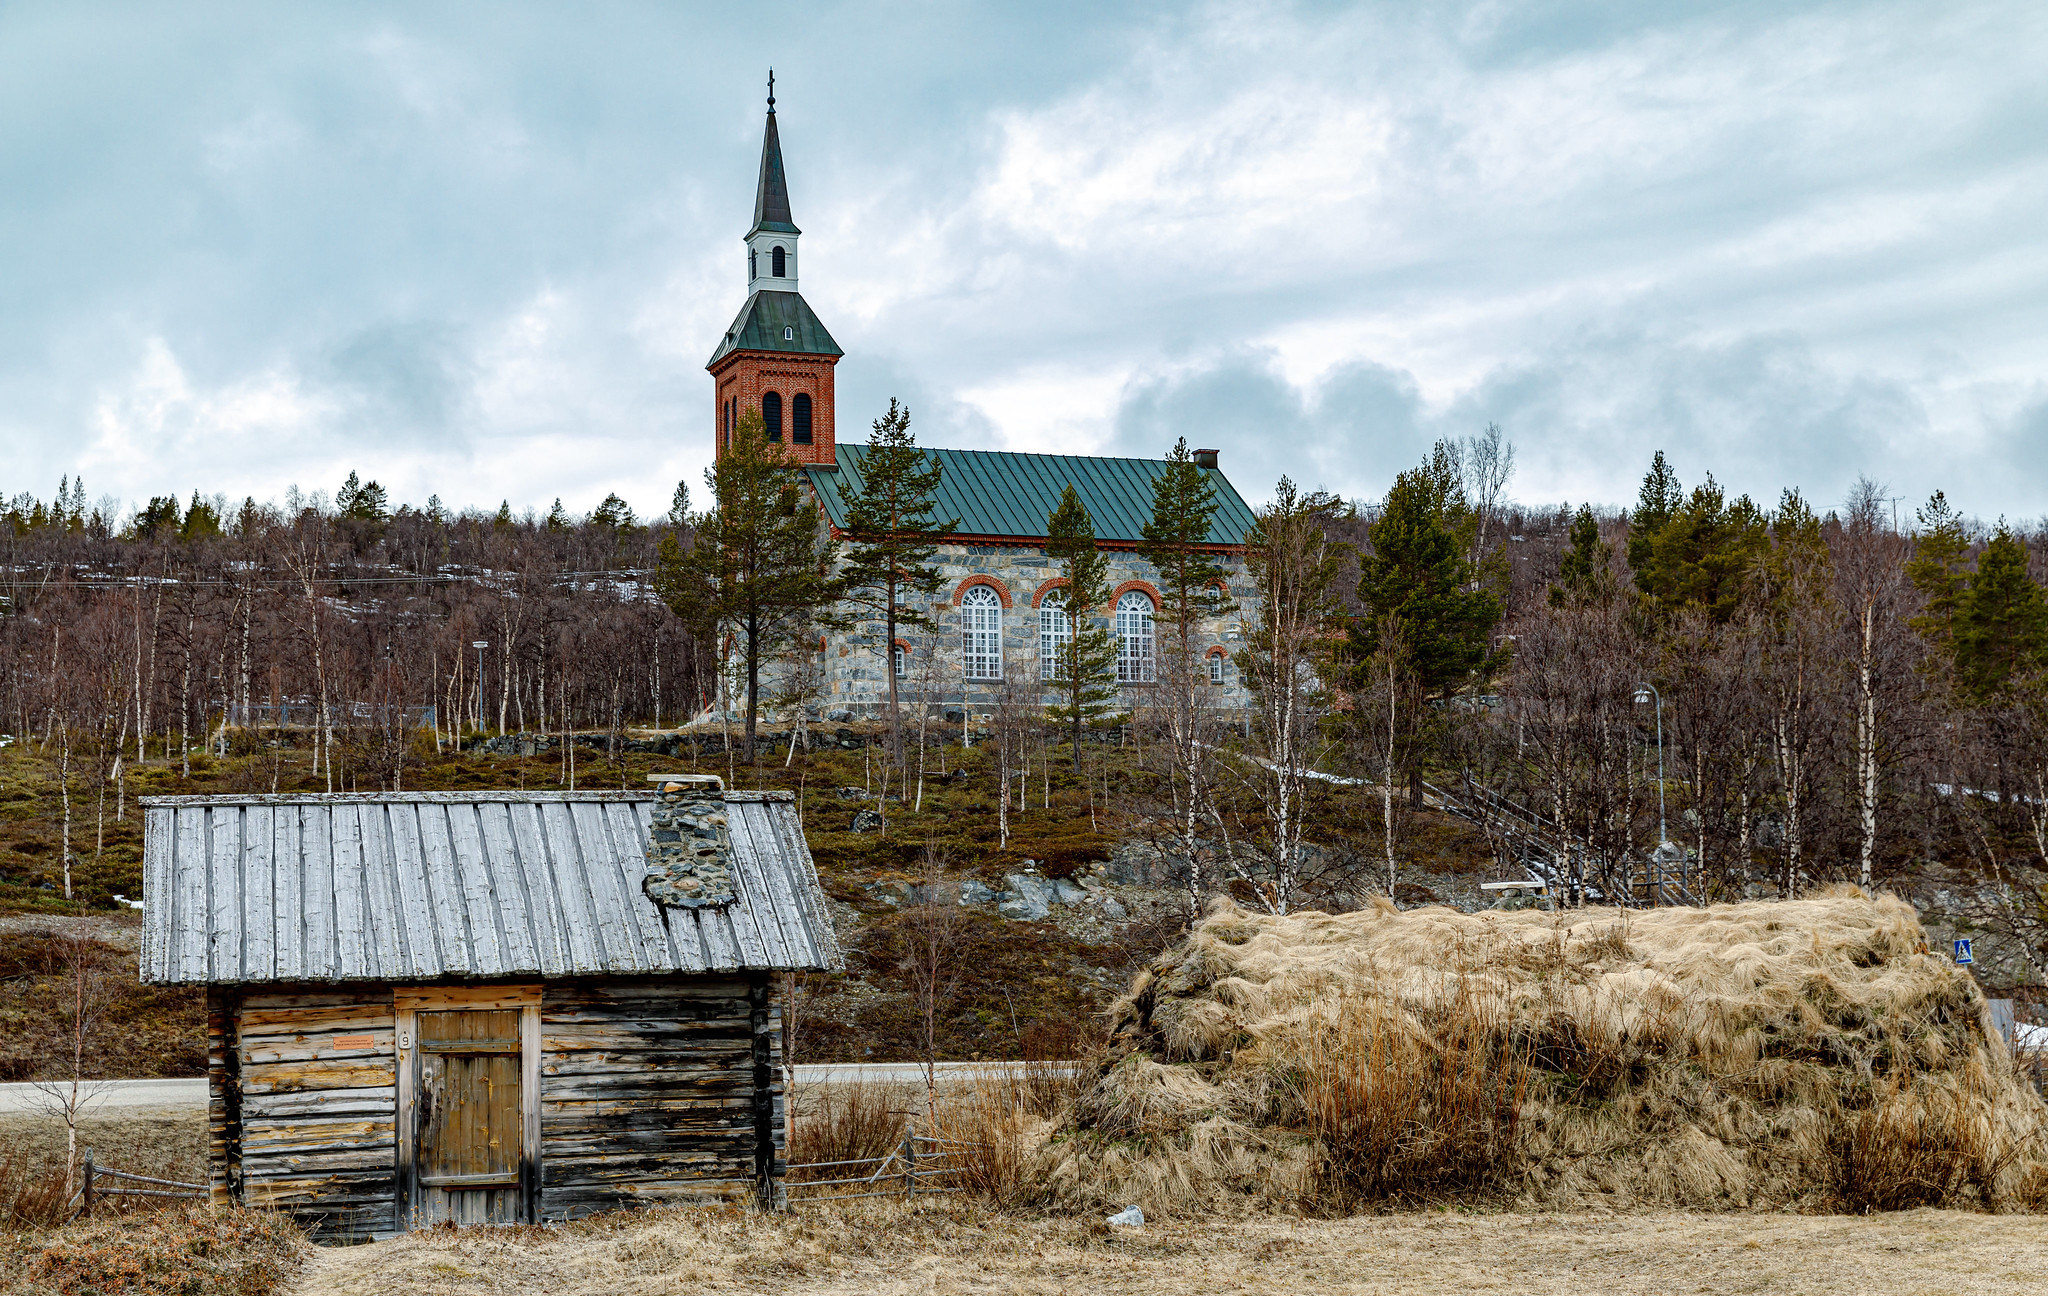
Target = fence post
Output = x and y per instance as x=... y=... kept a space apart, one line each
x=87 y=1209
x=910 y=1159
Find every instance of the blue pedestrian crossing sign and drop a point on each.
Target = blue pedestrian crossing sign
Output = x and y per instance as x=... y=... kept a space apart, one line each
x=1963 y=950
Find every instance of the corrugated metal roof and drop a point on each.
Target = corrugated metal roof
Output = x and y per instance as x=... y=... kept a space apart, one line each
x=759 y=325
x=427 y=886
x=1003 y=493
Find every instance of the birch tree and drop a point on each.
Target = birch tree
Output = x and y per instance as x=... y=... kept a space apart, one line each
x=1290 y=631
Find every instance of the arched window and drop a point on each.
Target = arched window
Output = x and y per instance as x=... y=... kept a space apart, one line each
x=1215 y=668
x=981 y=633
x=899 y=660
x=771 y=414
x=1134 y=639
x=800 y=419
x=775 y=261
x=789 y=332
x=1055 y=632
x=753 y=265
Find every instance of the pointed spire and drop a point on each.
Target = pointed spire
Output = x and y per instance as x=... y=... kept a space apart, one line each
x=771 y=199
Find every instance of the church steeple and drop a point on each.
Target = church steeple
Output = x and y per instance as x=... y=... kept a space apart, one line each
x=771 y=243
x=777 y=358
x=771 y=197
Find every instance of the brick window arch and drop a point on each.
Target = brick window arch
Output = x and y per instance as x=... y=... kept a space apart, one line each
x=1056 y=583
x=771 y=415
x=1002 y=592
x=1219 y=659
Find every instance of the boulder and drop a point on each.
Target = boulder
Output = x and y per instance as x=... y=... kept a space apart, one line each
x=868 y=820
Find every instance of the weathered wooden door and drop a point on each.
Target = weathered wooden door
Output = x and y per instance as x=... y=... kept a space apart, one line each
x=469 y=1113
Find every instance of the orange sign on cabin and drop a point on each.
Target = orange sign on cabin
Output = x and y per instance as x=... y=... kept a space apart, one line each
x=354 y=1042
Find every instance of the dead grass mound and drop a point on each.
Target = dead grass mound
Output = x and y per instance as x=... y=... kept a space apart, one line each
x=1810 y=1053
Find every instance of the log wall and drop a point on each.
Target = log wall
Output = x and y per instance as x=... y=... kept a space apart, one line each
x=652 y=1089
x=318 y=1108
x=648 y=1092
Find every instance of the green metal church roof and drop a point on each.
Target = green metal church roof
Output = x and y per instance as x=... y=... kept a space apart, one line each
x=1000 y=493
x=760 y=324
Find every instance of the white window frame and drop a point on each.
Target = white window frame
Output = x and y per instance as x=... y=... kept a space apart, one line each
x=981 y=633
x=1215 y=668
x=899 y=661
x=1055 y=631
x=1136 y=638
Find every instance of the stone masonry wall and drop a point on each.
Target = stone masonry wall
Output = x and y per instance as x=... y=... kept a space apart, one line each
x=855 y=662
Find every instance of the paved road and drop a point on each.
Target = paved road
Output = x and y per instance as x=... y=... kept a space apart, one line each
x=128 y=1095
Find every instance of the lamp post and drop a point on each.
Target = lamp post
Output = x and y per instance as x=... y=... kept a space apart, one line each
x=1645 y=693
x=480 y=645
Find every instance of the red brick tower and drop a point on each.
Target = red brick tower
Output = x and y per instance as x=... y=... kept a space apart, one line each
x=776 y=358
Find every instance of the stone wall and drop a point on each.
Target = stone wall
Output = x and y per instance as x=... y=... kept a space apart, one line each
x=855 y=660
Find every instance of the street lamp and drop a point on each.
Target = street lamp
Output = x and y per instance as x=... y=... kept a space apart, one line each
x=480 y=645
x=1644 y=693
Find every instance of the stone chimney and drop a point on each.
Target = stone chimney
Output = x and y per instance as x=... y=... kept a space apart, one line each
x=689 y=844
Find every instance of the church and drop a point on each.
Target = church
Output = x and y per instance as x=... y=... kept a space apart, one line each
x=1002 y=612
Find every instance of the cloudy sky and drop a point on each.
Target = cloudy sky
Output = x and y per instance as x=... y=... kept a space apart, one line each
x=484 y=250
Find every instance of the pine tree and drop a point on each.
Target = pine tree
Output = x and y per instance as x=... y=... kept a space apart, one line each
x=893 y=536
x=202 y=521
x=1702 y=554
x=161 y=519
x=758 y=566
x=1418 y=574
x=361 y=500
x=1176 y=542
x=1084 y=666
x=1656 y=504
x=2001 y=622
x=1940 y=570
x=557 y=519
x=1582 y=577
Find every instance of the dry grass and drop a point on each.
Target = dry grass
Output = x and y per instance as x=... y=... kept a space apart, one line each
x=193 y=1250
x=844 y=1122
x=959 y=1248
x=1809 y=1054
x=32 y=1194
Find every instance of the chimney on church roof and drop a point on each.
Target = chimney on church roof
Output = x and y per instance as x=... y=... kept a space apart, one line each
x=771 y=197
x=1205 y=458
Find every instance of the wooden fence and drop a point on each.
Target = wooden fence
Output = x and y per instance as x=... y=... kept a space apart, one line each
x=918 y=1164
x=89 y=1189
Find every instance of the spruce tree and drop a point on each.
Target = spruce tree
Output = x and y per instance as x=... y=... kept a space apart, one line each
x=1656 y=504
x=2001 y=622
x=893 y=537
x=1582 y=576
x=759 y=564
x=1084 y=667
x=1418 y=574
x=1176 y=542
x=1702 y=553
x=1940 y=570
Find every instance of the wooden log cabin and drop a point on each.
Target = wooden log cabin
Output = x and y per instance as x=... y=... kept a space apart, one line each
x=487 y=1007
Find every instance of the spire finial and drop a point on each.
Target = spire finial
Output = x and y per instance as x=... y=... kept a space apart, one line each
x=771 y=90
